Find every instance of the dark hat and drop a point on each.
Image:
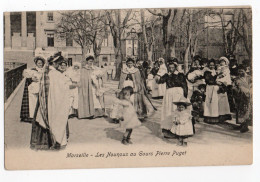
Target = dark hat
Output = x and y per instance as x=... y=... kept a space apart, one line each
x=212 y=61
x=130 y=60
x=90 y=58
x=173 y=60
x=55 y=58
x=202 y=86
x=197 y=57
x=39 y=58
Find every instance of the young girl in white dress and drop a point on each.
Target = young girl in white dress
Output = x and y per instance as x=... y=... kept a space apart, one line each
x=181 y=121
x=130 y=117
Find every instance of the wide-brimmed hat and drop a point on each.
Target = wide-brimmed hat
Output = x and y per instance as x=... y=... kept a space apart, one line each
x=39 y=58
x=183 y=101
x=224 y=59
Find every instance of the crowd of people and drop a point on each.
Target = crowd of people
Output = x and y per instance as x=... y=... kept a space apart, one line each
x=53 y=93
x=208 y=92
x=214 y=90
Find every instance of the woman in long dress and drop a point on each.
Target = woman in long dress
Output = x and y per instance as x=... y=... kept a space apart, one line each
x=154 y=85
x=49 y=129
x=73 y=73
x=224 y=81
x=161 y=72
x=85 y=97
x=176 y=89
x=195 y=76
x=216 y=103
x=130 y=76
x=31 y=90
x=243 y=99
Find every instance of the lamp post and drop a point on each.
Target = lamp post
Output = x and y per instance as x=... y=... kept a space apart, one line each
x=133 y=34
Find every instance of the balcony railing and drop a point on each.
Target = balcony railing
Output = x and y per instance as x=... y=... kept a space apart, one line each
x=13 y=75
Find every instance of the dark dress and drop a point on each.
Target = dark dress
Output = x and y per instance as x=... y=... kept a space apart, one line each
x=176 y=88
x=25 y=108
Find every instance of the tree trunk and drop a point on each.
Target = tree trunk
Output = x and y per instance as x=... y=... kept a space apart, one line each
x=150 y=57
x=118 y=63
x=186 y=59
x=246 y=39
x=84 y=52
x=172 y=51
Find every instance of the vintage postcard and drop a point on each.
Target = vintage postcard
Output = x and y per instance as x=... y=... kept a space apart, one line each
x=128 y=88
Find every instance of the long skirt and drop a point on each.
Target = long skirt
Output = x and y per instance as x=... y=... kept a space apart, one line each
x=211 y=107
x=140 y=105
x=171 y=95
x=85 y=96
x=161 y=89
x=40 y=137
x=25 y=107
x=155 y=89
x=99 y=104
x=243 y=108
x=223 y=104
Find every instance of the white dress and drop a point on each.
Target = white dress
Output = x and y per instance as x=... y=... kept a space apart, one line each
x=185 y=127
x=97 y=88
x=211 y=105
x=162 y=87
x=74 y=76
x=33 y=88
x=129 y=114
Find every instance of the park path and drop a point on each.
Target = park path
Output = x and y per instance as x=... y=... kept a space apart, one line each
x=103 y=131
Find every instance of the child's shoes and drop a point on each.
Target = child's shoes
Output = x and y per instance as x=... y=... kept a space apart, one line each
x=128 y=140
x=124 y=141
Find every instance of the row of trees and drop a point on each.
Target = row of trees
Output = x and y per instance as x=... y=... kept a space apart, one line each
x=88 y=28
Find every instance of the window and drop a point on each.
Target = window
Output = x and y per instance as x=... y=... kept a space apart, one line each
x=135 y=49
x=50 y=16
x=215 y=21
x=129 y=50
x=104 y=59
x=105 y=42
x=69 y=40
x=50 y=40
x=69 y=61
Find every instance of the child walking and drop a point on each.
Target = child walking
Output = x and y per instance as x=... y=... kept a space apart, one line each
x=182 y=121
x=130 y=117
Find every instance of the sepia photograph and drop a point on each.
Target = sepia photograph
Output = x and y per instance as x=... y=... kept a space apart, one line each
x=117 y=88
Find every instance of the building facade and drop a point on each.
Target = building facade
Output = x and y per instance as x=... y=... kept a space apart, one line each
x=129 y=45
x=29 y=34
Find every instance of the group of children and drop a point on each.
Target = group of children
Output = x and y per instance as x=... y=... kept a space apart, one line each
x=183 y=118
x=124 y=111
